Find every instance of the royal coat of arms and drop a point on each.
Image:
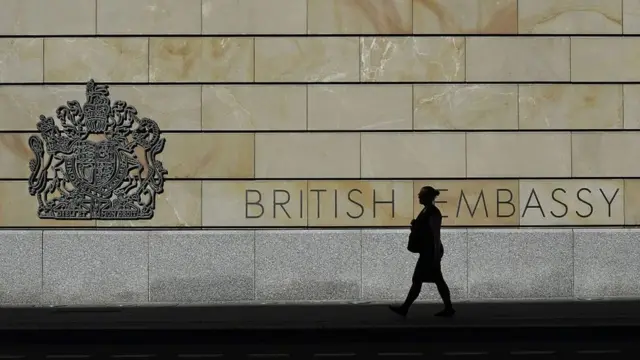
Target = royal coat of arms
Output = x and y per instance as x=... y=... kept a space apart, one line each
x=99 y=164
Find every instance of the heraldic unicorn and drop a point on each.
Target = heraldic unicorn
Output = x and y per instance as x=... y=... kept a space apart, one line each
x=100 y=164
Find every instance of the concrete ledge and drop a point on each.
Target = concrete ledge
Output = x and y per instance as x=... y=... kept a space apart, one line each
x=520 y=264
x=93 y=267
x=308 y=265
x=201 y=266
x=20 y=267
x=65 y=267
x=387 y=266
x=607 y=263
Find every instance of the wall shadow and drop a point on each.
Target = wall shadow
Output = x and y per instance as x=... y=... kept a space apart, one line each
x=311 y=290
x=202 y=290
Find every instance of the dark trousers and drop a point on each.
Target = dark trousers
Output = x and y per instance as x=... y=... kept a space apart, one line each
x=431 y=273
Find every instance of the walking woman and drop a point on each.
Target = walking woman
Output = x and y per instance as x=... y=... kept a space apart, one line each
x=425 y=240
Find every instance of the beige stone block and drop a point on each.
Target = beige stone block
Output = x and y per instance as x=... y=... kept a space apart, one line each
x=205 y=59
x=16 y=153
x=101 y=59
x=21 y=106
x=254 y=107
x=465 y=16
x=570 y=16
x=307 y=59
x=513 y=154
x=605 y=154
x=18 y=208
x=631 y=106
x=575 y=202
x=413 y=155
x=360 y=203
x=360 y=16
x=465 y=107
x=198 y=155
x=40 y=17
x=307 y=155
x=178 y=206
x=254 y=203
x=474 y=202
x=185 y=155
x=412 y=59
x=518 y=59
x=149 y=17
x=21 y=60
x=631 y=16
x=172 y=107
x=573 y=106
x=254 y=17
x=605 y=59
x=360 y=107
x=632 y=202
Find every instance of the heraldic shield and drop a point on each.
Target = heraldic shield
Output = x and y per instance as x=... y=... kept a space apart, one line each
x=100 y=163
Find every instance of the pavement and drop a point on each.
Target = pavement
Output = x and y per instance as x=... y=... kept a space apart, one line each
x=540 y=330
x=323 y=316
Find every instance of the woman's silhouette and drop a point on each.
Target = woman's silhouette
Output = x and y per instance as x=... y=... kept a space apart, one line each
x=425 y=240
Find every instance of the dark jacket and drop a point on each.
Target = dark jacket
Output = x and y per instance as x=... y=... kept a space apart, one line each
x=425 y=234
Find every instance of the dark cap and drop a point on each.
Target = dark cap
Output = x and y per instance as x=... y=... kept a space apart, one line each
x=428 y=190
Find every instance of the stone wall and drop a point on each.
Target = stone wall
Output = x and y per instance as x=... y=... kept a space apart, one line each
x=71 y=267
x=298 y=133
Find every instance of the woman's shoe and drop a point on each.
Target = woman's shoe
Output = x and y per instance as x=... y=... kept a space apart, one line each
x=399 y=310
x=447 y=312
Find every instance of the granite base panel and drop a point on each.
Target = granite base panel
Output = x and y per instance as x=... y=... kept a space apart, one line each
x=137 y=267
